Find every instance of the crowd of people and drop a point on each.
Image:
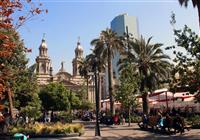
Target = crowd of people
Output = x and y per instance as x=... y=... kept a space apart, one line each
x=164 y=119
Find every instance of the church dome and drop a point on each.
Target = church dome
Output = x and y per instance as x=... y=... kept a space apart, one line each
x=43 y=44
x=79 y=47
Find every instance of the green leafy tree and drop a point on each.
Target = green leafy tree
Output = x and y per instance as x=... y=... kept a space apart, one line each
x=151 y=64
x=9 y=41
x=83 y=100
x=84 y=69
x=187 y=62
x=55 y=97
x=82 y=92
x=75 y=101
x=97 y=64
x=86 y=105
x=12 y=66
x=108 y=44
x=21 y=80
x=26 y=91
x=128 y=89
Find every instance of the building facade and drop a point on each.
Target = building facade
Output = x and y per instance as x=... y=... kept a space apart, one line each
x=72 y=81
x=121 y=22
x=43 y=61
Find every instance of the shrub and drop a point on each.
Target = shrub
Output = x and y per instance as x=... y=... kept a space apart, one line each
x=64 y=117
x=40 y=128
x=21 y=130
x=135 y=119
x=194 y=121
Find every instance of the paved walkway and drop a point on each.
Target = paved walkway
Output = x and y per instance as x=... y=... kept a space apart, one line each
x=123 y=132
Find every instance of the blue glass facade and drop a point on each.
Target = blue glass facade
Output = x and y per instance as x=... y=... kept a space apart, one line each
x=119 y=24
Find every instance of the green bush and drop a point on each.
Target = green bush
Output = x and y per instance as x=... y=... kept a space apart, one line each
x=40 y=128
x=23 y=130
x=31 y=112
x=194 y=121
x=64 y=117
x=135 y=119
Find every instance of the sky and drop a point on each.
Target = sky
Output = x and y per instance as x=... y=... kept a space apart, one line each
x=69 y=19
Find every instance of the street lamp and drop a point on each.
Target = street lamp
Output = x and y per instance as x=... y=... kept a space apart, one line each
x=95 y=69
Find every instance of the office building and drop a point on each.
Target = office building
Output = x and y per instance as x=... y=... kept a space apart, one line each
x=121 y=24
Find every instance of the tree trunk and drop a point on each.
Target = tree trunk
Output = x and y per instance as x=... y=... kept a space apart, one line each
x=99 y=89
x=145 y=103
x=129 y=116
x=97 y=128
x=87 y=97
x=10 y=103
x=110 y=81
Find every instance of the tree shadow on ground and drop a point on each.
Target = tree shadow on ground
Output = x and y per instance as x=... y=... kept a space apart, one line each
x=140 y=138
x=152 y=138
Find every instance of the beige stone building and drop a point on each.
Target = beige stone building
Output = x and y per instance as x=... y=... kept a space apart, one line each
x=73 y=81
x=43 y=62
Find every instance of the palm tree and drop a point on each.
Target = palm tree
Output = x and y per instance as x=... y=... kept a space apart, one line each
x=84 y=69
x=194 y=2
x=151 y=65
x=106 y=46
x=100 y=67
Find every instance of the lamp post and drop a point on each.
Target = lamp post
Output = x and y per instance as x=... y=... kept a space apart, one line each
x=95 y=69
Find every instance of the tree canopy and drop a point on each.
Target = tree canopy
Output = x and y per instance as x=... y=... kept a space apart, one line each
x=55 y=96
x=196 y=3
x=186 y=71
x=150 y=63
x=10 y=43
x=128 y=89
x=107 y=45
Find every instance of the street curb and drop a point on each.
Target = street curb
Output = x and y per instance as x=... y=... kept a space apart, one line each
x=55 y=135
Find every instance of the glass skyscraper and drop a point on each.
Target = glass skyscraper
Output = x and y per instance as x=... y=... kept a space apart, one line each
x=123 y=21
x=120 y=24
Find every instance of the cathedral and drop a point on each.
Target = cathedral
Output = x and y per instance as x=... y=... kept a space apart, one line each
x=72 y=81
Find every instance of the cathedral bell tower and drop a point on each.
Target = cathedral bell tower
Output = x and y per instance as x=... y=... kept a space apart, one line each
x=43 y=64
x=78 y=58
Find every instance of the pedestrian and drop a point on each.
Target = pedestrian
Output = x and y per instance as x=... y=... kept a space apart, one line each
x=145 y=121
x=116 y=119
x=123 y=120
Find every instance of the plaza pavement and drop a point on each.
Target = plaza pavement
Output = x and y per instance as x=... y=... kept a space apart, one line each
x=123 y=132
